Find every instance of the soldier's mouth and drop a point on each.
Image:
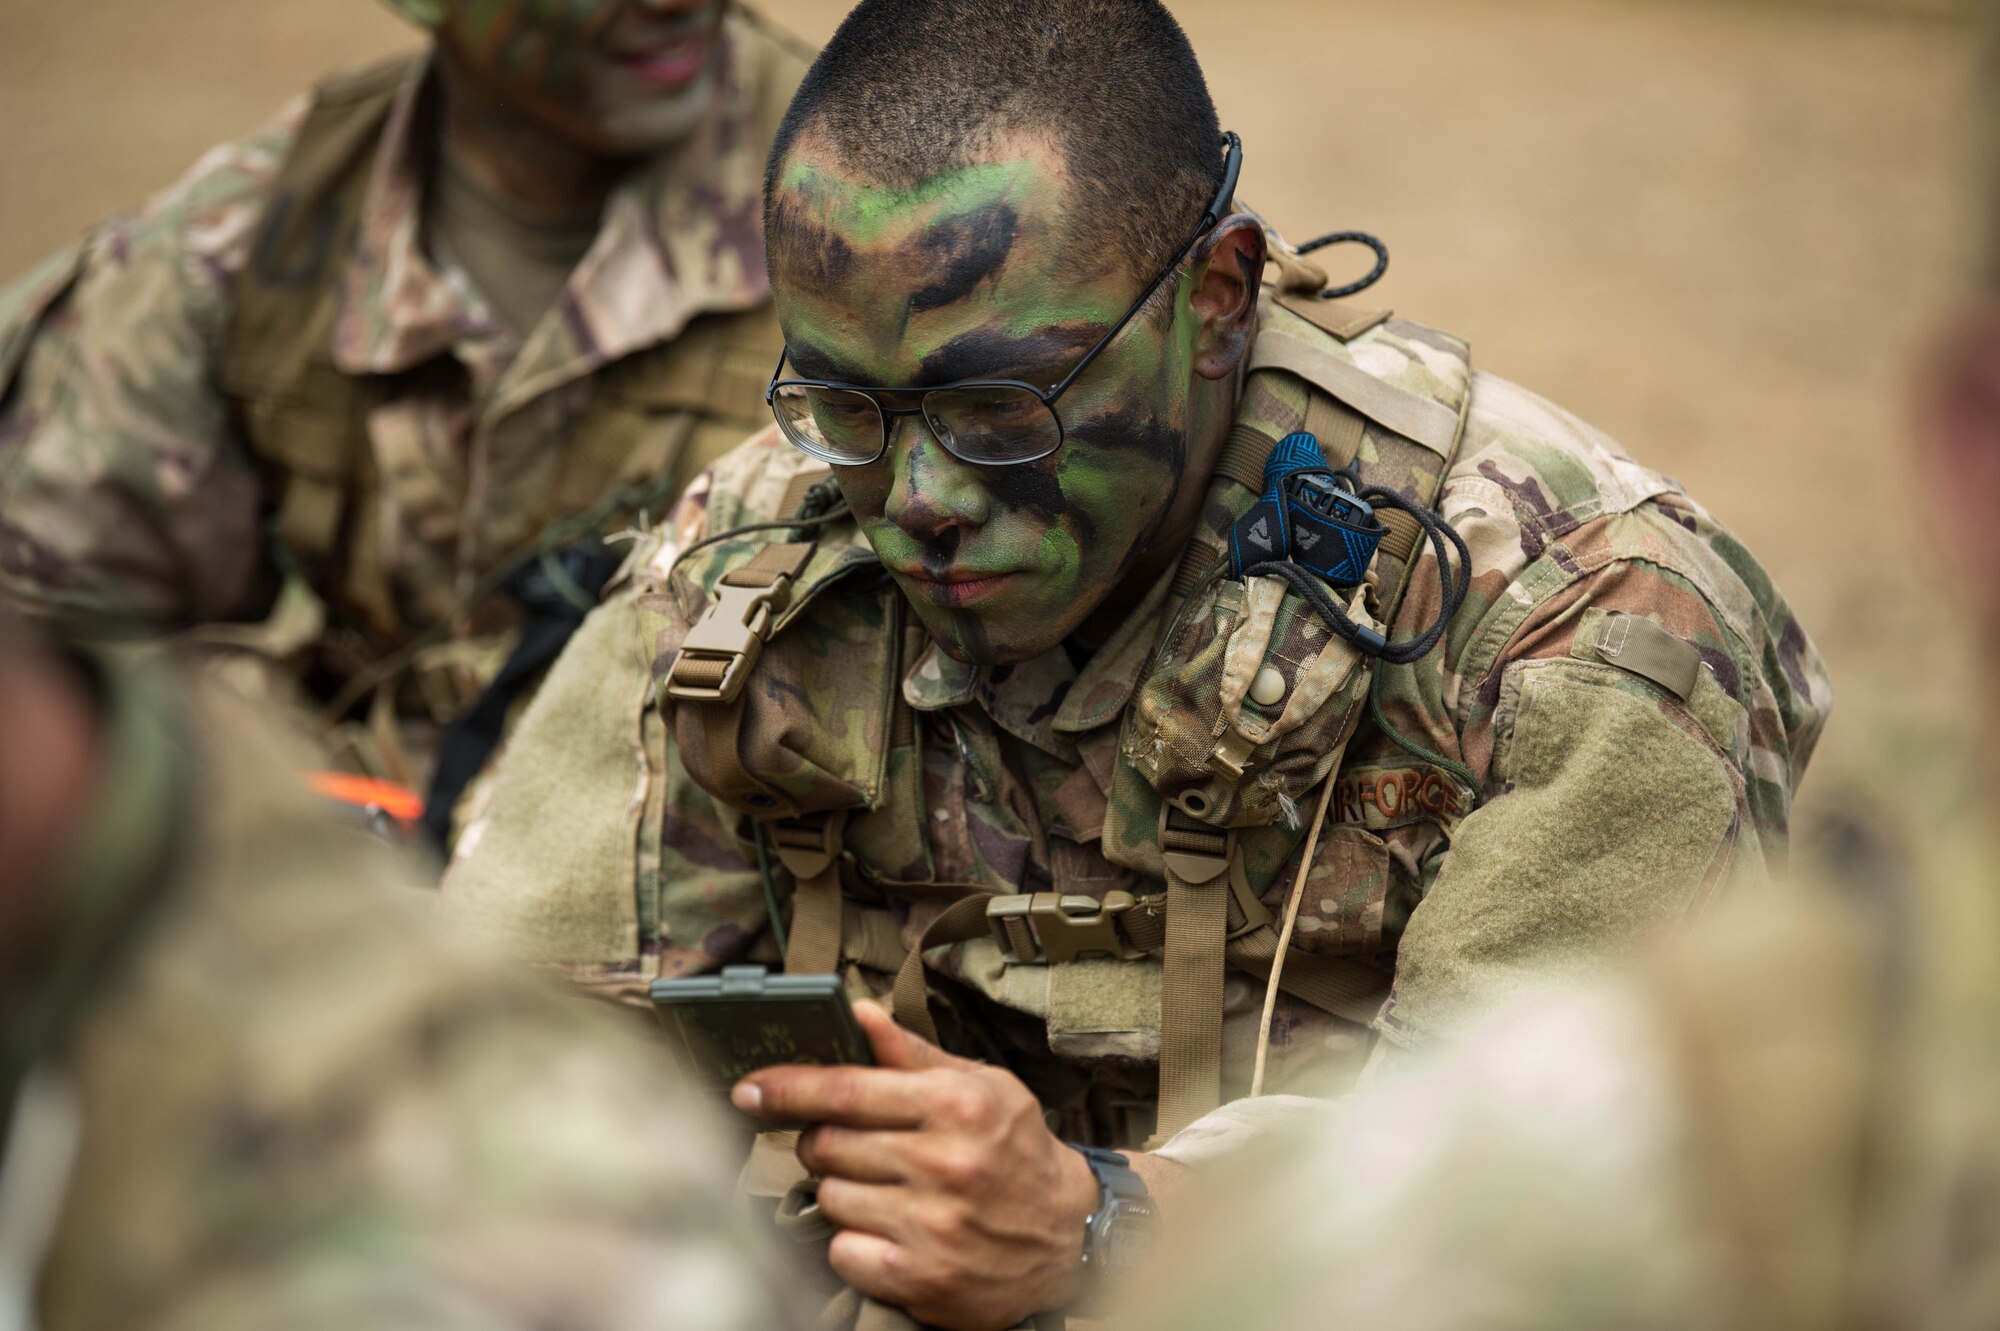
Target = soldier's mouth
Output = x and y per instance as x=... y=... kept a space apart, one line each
x=670 y=63
x=955 y=590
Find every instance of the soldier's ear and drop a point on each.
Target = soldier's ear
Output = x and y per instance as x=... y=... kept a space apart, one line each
x=1228 y=272
x=423 y=13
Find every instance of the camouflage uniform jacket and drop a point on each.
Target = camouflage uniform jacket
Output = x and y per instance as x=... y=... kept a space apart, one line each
x=1783 y=1119
x=1608 y=804
x=267 y=1092
x=126 y=488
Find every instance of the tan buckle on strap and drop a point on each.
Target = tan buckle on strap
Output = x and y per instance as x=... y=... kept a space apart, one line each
x=808 y=846
x=1198 y=854
x=715 y=659
x=1195 y=852
x=725 y=642
x=1048 y=929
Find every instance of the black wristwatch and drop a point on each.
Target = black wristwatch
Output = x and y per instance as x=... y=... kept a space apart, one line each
x=1119 y=1233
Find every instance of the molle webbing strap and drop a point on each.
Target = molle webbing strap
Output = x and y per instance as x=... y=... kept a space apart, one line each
x=1349 y=989
x=1345 y=322
x=1197 y=860
x=1343 y=986
x=1338 y=428
x=1429 y=423
x=795 y=489
x=1399 y=544
x=1242 y=461
x=720 y=737
x=962 y=921
x=772 y=563
x=810 y=849
x=1243 y=456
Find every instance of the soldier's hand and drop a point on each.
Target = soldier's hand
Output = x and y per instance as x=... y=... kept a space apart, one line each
x=953 y=1198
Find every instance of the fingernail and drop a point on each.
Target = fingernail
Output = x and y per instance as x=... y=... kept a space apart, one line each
x=748 y=1097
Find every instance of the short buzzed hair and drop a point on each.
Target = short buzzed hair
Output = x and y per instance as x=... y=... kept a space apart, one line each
x=908 y=90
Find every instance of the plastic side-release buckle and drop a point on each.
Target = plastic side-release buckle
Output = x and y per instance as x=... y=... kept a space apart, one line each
x=715 y=660
x=808 y=846
x=1048 y=929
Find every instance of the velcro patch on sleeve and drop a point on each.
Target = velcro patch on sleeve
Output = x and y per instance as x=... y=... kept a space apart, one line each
x=1640 y=647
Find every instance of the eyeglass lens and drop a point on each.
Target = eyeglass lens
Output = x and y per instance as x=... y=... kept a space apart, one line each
x=980 y=423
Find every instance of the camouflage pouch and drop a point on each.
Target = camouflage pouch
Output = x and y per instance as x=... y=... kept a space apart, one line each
x=809 y=730
x=1249 y=704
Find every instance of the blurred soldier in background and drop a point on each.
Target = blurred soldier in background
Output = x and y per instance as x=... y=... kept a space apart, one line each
x=412 y=350
x=1786 y=1119
x=243 y=1083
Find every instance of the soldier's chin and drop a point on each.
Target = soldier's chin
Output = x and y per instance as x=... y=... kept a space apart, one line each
x=652 y=124
x=977 y=641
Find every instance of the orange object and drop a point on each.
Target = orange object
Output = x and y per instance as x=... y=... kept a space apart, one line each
x=363 y=792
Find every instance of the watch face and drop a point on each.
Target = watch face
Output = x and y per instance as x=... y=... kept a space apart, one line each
x=1128 y=1235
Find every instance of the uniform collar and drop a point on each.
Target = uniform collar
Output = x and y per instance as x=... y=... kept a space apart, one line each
x=1047 y=701
x=682 y=236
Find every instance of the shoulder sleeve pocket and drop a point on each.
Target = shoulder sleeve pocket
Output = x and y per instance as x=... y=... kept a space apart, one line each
x=1618 y=813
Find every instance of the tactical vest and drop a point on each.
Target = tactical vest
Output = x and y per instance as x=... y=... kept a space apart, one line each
x=1214 y=760
x=654 y=419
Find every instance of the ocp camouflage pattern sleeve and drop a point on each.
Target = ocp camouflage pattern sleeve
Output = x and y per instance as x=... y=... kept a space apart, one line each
x=304 y=1105
x=1610 y=803
x=1538 y=1178
x=124 y=493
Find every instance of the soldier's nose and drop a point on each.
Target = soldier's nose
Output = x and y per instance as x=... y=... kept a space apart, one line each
x=932 y=490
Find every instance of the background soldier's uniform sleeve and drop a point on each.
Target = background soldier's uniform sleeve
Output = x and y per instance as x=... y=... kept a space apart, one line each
x=304 y=1105
x=1537 y=1179
x=1633 y=696
x=123 y=490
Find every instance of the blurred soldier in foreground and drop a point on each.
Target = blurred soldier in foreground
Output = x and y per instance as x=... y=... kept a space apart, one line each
x=1786 y=1119
x=1105 y=587
x=447 y=314
x=244 y=1083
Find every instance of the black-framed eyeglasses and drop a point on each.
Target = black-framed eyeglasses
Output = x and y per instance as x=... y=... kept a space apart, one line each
x=990 y=422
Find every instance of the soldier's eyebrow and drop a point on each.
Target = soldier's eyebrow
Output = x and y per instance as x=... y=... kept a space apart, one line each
x=809 y=362
x=1040 y=357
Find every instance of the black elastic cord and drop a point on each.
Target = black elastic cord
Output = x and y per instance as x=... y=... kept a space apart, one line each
x=790 y=524
x=1352 y=238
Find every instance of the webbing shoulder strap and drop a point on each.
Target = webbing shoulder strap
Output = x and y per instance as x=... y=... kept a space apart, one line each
x=1394 y=433
x=810 y=849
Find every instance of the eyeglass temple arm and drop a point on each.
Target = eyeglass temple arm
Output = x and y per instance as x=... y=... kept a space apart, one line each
x=1218 y=207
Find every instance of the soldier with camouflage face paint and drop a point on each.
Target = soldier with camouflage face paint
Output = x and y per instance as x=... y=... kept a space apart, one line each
x=981 y=717
x=444 y=313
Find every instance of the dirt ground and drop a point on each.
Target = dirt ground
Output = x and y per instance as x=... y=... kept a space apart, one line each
x=1720 y=231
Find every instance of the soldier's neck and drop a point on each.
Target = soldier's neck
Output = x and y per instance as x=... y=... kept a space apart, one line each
x=1212 y=411
x=543 y=175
